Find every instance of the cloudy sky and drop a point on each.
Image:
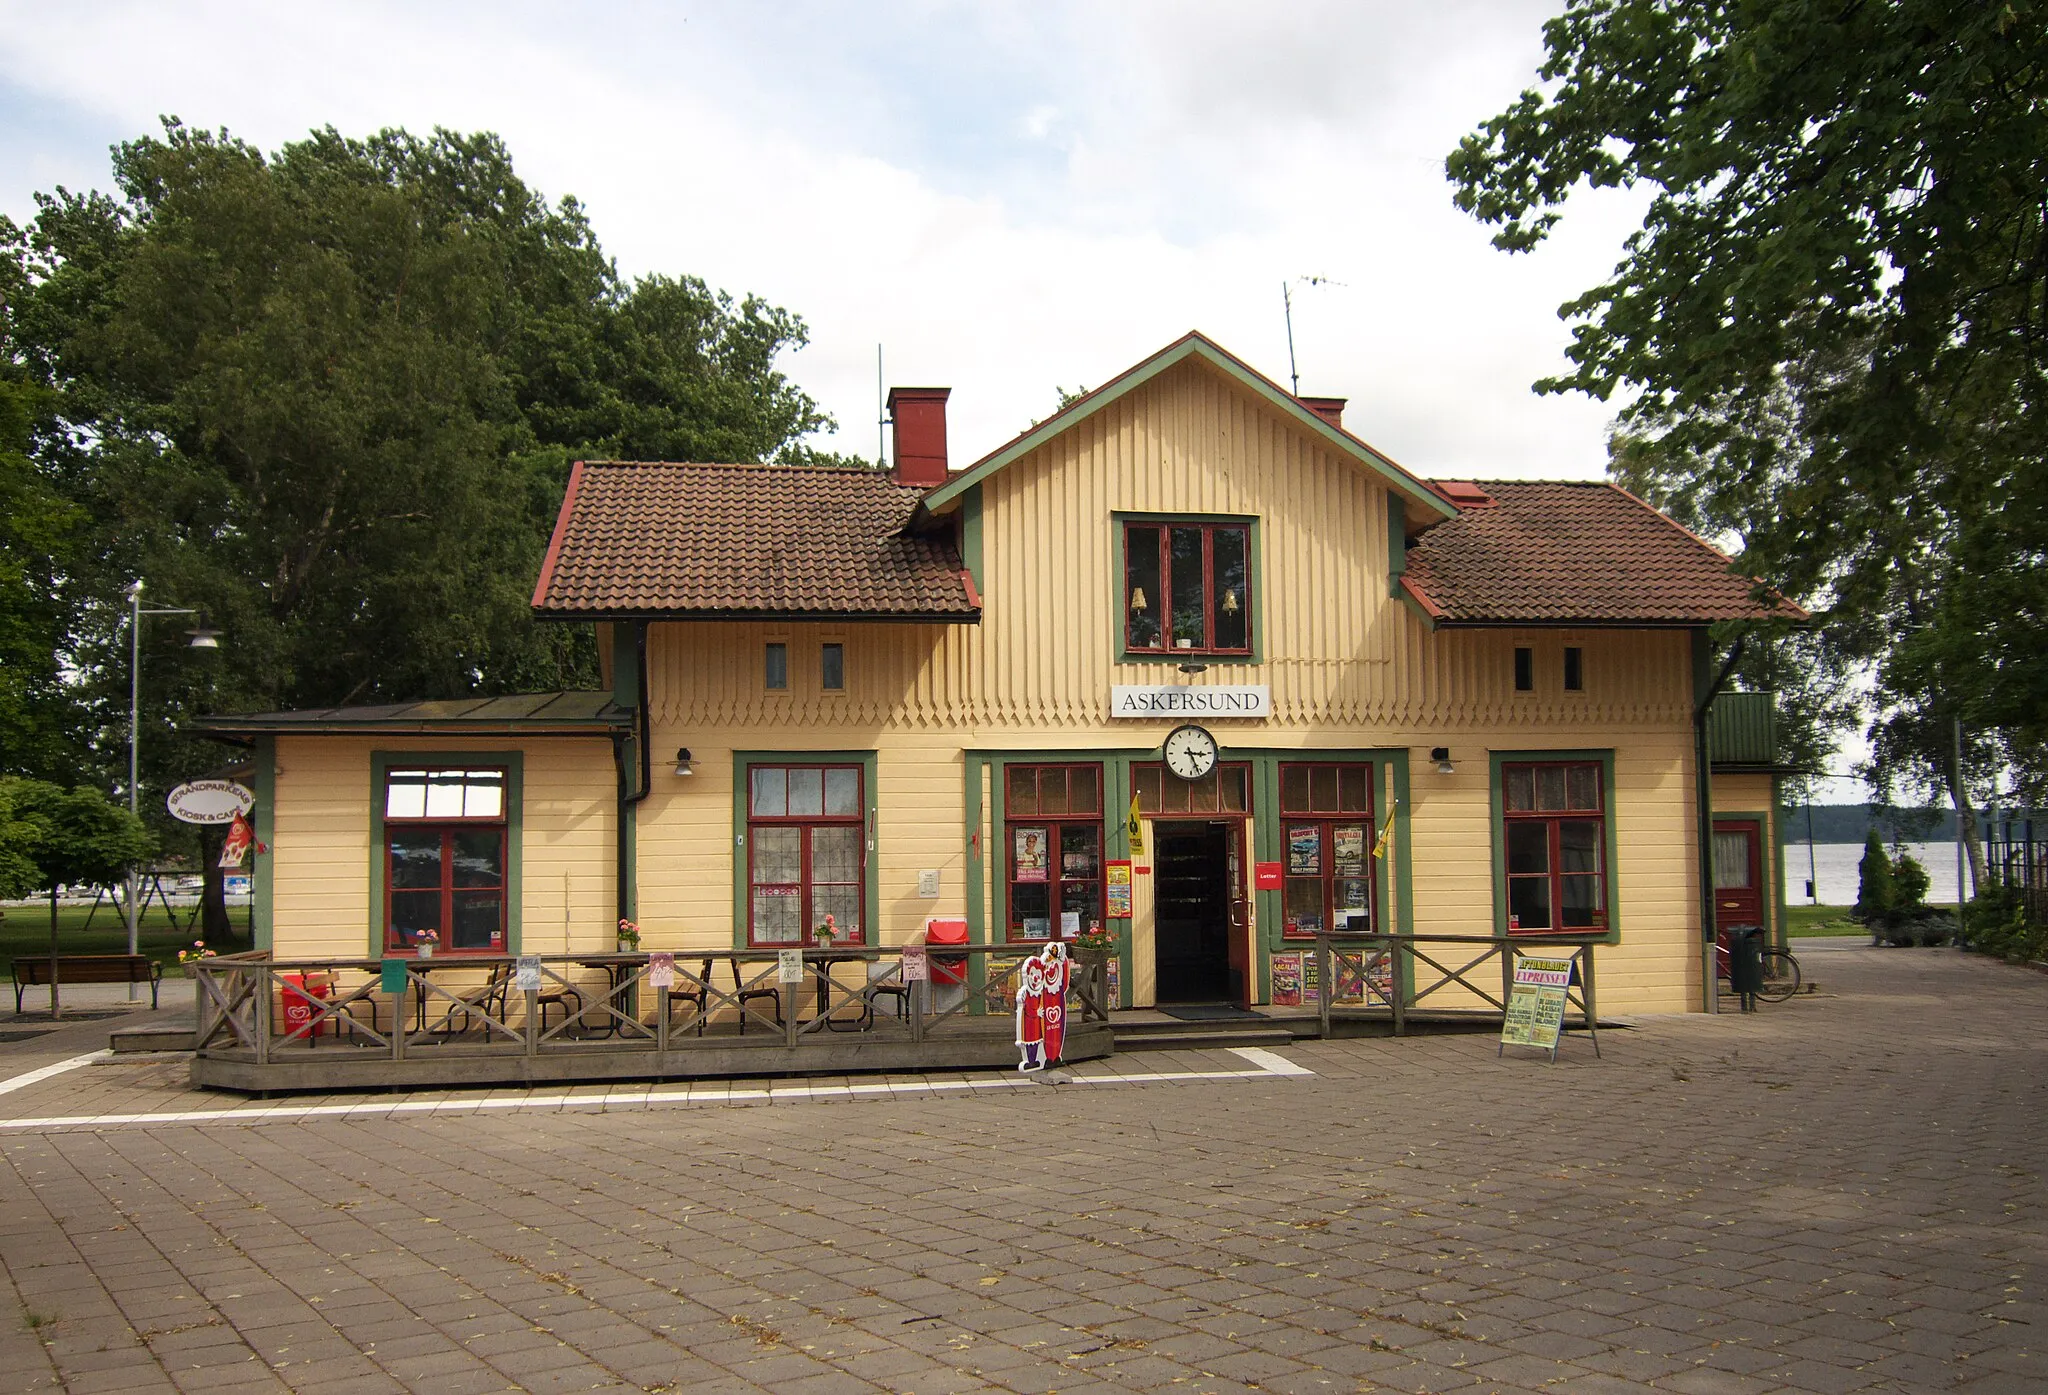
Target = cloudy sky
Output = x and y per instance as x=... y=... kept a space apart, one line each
x=1009 y=198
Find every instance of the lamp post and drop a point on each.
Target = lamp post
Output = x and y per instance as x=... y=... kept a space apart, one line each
x=199 y=637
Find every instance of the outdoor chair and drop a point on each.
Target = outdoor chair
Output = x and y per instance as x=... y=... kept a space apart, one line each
x=880 y=987
x=482 y=1002
x=742 y=994
x=700 y=995
x=556 y=997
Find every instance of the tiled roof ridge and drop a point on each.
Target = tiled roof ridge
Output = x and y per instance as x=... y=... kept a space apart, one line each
x=860 y=470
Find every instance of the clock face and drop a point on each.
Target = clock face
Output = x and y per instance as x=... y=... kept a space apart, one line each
x=1190 y=752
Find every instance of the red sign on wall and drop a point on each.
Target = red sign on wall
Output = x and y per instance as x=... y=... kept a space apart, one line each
x=1266 y=876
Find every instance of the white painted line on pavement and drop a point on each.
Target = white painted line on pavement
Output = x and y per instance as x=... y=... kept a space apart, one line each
x=1271 y=1061
x=31 y=1077
x=1269 y=1064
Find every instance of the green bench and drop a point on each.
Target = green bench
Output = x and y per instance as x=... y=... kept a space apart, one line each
x=88 y=968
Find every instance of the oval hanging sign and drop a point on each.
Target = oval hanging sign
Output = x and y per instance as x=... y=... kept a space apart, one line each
x=209 y=801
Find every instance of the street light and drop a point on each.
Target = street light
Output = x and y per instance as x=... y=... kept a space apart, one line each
x=201 y=636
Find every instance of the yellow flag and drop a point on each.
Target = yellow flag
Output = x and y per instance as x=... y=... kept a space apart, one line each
x=1137 y=829
x=1379 y=849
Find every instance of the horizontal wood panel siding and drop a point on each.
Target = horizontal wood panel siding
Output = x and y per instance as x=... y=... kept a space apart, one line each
x=322 y=849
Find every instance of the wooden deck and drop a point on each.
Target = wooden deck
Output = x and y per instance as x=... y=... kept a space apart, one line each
x=608 y=1017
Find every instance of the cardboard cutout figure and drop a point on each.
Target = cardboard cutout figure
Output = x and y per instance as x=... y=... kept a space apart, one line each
x=1042 y=1007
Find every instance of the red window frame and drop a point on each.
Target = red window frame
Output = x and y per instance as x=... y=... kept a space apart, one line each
x=449 y=829
x=1323 y=797
x=804 y=889
x=1060 y=888
x=1163 y=602
x=1570 y=808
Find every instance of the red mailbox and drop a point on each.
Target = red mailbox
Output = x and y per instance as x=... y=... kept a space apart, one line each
x=946 y=968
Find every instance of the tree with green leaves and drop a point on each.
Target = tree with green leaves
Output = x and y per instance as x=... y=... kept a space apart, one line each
x=329 y=395
x=51 y=837
x=1831 y=330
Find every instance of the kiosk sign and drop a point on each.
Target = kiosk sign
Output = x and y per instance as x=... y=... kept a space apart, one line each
x=1536 y=1002
x=209 y=801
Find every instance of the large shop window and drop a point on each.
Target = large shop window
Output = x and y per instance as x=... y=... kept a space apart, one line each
x=1053 y=818
x=1326 y=821
x=1187 y=588
x=1556 y=840
x=444 y=867
x=806 y=852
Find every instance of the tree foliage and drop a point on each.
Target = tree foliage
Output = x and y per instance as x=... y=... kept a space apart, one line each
x=1832 y=327
x=330 y=396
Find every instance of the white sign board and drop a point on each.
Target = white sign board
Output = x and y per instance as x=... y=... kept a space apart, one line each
x=209 y=801
x=1165 y=701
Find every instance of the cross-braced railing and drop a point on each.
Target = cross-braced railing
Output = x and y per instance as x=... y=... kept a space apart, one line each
x=1400 y=972
x=459 y=1005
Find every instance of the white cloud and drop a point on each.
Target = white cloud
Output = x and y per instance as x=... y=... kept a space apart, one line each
x=1008 y=198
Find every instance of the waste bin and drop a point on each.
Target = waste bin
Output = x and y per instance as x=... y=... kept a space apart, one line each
x=300 y=993
x=1746 y=962
x=949 y=971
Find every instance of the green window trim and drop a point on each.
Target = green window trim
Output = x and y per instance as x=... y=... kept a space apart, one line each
x=262 y=865
x=515 y=800
x=1604 y=758
x=1253 y=571
x=742 y=785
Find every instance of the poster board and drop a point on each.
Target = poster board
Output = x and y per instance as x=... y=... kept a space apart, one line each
x=1536 y=1004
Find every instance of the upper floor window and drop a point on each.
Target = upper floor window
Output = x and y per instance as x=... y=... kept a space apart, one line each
x=832 y=668
x=775 y=673
x=444 y=859
x=1187 y=588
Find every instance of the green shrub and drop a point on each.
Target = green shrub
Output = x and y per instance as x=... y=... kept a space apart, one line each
x=1996 y=923
x=1909 y=883
x=1876 y=895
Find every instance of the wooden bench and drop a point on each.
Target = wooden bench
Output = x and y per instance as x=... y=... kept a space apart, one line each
x=88 y=968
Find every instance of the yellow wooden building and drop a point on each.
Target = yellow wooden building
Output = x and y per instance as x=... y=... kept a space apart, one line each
x=1189 y=659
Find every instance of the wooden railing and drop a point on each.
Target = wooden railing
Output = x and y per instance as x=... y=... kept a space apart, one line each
x=1356 y=971
x=472 y=1004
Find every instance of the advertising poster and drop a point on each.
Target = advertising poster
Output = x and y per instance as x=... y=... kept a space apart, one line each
x=1536 y=1003
x=1304 y=850
x=1031 y=854
x=661 y=969
x=1287 y=979
x=1311 y=980
x=1348 y=849
x=1119 y=889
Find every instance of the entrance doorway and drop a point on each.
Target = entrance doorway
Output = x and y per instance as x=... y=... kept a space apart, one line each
x=1191 y=911
x=1738 y=874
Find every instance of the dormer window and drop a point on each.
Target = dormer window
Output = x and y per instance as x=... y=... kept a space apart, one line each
x=1187 y=587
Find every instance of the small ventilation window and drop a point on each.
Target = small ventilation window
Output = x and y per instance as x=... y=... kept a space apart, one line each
x=776 y=674
x=1525 y=670
x=1574 y=669
x=832 y=668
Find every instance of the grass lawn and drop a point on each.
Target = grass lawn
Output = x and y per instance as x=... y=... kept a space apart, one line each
x=1827 y=920
x=25 y=933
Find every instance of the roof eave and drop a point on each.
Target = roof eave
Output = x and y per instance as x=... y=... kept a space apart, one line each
x=851 y=617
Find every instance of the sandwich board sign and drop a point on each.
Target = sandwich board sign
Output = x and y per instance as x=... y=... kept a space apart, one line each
x=1536 y=1002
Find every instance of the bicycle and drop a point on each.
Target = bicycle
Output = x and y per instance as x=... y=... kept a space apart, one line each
x=1781 y=971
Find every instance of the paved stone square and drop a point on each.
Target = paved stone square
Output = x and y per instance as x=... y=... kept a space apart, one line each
x=1839 y=1193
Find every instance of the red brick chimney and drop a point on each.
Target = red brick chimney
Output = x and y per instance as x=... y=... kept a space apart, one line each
x=1330 y=409
x=919 y=414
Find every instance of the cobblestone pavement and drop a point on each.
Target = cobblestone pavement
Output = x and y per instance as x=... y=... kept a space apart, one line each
x=1839 y=1193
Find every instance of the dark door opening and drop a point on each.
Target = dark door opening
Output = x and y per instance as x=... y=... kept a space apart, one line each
x=1191 y=912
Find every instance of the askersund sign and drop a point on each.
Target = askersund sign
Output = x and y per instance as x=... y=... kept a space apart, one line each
x=1156 y=700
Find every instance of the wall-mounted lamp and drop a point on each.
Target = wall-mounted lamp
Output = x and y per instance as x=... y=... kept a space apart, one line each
x=1193 y=668
x=683 y=762
x=1442 y=756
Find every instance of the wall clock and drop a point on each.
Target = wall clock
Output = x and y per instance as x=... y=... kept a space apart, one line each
x=1189 y=751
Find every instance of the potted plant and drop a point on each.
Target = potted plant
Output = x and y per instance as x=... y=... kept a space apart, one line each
x=423 y=942
x=189 y=959
x=826 y=932
x=1095 y=944
x=629 y=937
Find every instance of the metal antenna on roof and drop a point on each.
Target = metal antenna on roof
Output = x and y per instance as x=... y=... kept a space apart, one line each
x=881 y=416
x=1287 y=308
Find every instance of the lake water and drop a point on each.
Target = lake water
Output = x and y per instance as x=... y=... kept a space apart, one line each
x=1835 y=871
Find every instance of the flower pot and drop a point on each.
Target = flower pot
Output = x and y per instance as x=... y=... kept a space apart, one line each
x=426 y=951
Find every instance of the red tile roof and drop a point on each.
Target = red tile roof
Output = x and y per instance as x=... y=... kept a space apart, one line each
x=746 y=541
x=1554 y=553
